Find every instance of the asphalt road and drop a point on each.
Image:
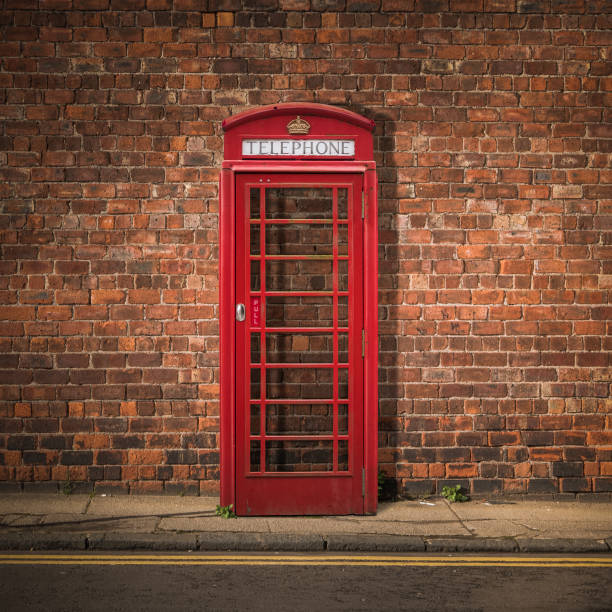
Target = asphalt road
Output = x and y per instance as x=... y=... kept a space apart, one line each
x=432 y=583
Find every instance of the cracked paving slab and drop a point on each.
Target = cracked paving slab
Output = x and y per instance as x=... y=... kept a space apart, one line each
x=535 y=519
x=7 y=519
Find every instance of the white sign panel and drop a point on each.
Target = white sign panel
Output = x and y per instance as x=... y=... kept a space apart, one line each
x=269 y=147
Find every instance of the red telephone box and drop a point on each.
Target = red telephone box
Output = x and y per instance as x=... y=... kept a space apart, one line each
x=298 y=299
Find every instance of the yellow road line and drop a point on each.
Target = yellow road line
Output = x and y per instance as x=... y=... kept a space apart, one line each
x=304 y=560
x=288 y=557
x=306 y=563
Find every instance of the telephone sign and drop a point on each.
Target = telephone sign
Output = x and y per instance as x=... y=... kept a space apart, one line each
x=270 y=147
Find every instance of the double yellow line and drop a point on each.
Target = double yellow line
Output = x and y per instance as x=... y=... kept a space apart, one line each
x=323 y=559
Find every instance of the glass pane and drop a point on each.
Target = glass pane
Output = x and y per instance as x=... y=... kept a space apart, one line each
x=343 y=239
x=343 y=345
x=255 y=240
x=303 y=275
x=299 y=239
x=254 y=203
x=298 y=203
x=343 y=383
x=255 y=348
x=255 y=419
x=255 y=276
x=299 y=348
x=255 y=456
x=255 y=383
x=299 y=456
x=343 y=311
x=343 y=419
x=343 y=280
x=299 y=383
x=299 y=311
x=299 y=419
x=343 y=203
x=343 y=456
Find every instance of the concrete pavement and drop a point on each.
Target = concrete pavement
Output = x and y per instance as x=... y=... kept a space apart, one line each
x=104 y=522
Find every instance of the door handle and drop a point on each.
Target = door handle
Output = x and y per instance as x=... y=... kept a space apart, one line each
x=240 y=312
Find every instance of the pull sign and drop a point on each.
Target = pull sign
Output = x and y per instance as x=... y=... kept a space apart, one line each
x=255 y=311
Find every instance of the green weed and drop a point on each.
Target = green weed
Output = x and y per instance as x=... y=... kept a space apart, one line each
x=226 y=512
x=454 y=494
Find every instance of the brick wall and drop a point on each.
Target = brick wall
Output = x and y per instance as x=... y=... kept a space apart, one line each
x=493 y=145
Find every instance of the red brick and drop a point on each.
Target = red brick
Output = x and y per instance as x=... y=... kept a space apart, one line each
x=461 y=470
x=144 y=296
x=107 y=296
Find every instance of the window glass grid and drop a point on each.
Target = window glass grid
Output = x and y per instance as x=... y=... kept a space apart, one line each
x=276 y=451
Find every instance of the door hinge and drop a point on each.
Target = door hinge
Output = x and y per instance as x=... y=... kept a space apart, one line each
x=363 y=204
x=363 y=343
x=362 y=482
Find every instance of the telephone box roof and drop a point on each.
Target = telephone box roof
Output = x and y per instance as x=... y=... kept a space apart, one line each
x=296 y=108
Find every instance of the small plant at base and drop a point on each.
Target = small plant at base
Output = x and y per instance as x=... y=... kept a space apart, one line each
x=68 y=487
x=225 y=512
x=453 y=494
x=381 y=482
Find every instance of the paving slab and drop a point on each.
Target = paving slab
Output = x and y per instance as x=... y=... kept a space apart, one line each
x=437 y=510
x=533 y=511
x=213 y=523
x=490 y=528
x=31 y=503
x=150 y=505
x=143 y=524
x=338 y=525
x=401 y=518
x=139 y=524
x=536 y=519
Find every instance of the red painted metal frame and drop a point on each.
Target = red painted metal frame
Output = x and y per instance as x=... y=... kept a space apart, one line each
x=270 y=122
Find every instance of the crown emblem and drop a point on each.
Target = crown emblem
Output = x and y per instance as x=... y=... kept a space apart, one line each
x=298 y=126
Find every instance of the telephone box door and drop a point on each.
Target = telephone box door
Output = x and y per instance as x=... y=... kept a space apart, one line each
x=299 y=344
